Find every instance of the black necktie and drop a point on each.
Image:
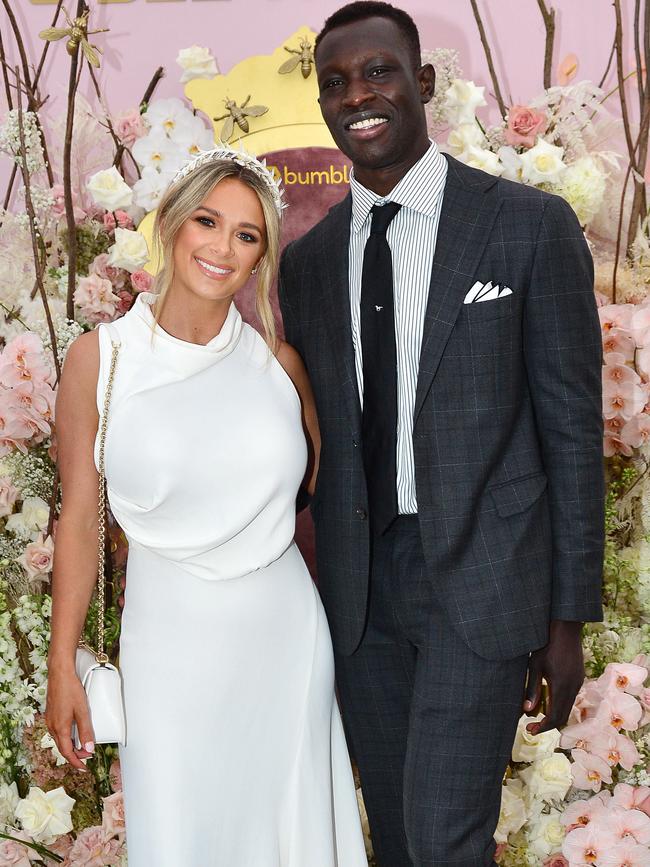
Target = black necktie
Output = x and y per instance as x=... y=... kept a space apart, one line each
x=379 y=419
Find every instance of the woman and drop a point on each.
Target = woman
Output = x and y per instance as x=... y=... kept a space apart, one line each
x=235 y=754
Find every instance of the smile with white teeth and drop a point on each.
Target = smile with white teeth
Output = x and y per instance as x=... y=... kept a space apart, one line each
x=213 y=268
x=368 y=123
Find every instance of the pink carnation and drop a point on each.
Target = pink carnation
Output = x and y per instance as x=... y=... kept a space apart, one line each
x=113 y=817
x=556 y=860
x=141 y=281
x=126 y=301
x=94 y=848
x=129 y=127
x=524 y=125
x=13 y=854
x=94 y=297
x=101 y=268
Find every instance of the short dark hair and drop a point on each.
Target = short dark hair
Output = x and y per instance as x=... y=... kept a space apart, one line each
x=362 y=9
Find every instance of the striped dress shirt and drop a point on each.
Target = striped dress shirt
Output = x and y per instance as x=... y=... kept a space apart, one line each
x=411 y=237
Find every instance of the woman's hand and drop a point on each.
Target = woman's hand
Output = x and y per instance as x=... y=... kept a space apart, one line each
x=67 y=703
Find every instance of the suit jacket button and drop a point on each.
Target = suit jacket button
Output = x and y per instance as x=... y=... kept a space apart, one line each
x=355 y=443
x=362 y=514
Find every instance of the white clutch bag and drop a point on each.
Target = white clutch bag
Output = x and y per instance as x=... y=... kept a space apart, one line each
x=102 y=681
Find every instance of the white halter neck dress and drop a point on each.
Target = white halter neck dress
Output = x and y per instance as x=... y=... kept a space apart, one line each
x=235 y=752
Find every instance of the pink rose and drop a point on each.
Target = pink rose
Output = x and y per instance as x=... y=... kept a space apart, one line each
x=115 y=775
x=124 y=221
x=37 y=557
x=94 y=297
x=113 y=816
x=524 y=125
x=141 y=281
x=556 y=860
x=126 y=301
x=8 y=496
x=58 y=209
x=129 y=127
x=94 y=848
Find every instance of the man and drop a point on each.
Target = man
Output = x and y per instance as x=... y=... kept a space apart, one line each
x=448 y=325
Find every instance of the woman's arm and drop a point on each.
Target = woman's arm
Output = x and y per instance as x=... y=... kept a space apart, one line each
x=76 y=549
x=295 y=369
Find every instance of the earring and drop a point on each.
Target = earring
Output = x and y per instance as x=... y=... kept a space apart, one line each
x=254 y=271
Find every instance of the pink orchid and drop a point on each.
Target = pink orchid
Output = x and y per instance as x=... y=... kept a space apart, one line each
x=622 y=398
x=619 y=342
x=629 y=823
x=616 y=370
x=15 y=429
x=579 y=736
x=626 y=854
x=615 y=749
x=587 y=846
x=567 y=69
x=586 y=703
x=640 y=324
x=620 y=710
x=636 y=432
x=23 y=361
x=613 y=441
x=624 y=676
x=581 y=813
x=589 y=771
x=632 y=797
x=616 y=316
x=8 y=496
x=642 y=360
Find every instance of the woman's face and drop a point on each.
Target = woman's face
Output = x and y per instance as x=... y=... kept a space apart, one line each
x=220 y=243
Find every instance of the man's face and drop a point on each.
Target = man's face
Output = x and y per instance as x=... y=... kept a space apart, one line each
x=371 y=93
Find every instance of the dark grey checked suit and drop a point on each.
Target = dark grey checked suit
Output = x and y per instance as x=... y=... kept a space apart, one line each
x=509 y=535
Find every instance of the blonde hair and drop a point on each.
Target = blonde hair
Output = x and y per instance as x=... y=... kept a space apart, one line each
x=182 y=198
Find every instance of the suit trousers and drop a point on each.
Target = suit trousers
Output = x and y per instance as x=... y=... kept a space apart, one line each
x=429 y=723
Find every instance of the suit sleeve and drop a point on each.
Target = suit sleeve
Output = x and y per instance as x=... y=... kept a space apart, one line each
x=288 y=294
x=563 y=356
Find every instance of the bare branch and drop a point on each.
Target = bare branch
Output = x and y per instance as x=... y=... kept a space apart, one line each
x=548 y=14
x=618 y=39
x=488 y=57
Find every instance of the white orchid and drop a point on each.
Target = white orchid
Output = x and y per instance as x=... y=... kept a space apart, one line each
x=148 y=190
x=166 y=113
x=157 y=151
x=461 y=101
x=191 y=136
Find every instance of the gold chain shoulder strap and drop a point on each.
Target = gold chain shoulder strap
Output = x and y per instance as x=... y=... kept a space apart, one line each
x=101 y=512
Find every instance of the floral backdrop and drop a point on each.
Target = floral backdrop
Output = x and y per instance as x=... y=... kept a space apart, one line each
x=71 y=257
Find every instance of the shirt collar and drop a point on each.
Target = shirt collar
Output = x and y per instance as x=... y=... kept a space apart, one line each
x=420 y=189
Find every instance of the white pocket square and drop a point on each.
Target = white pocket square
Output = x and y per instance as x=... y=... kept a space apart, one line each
x=486 y=292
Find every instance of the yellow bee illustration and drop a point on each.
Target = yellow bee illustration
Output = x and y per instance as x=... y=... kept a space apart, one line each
x=303 y=56
x=236 y=114
x=77 y=33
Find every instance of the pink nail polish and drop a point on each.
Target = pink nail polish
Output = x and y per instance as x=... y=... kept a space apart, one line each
x=89 y=747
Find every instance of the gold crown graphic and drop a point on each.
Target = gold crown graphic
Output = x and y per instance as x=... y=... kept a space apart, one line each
x=292 y=118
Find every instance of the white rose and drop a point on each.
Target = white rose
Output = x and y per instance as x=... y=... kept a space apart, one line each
x=528 y=747
x=513 y=811
x=48 y=743
x=461 y=101
x=480 y=158
x=542 y=164
x=45 y=815
x=31 y=520
x=546 y=834
x=129 y=251
x=196 y=62
x=547 y=779
x=463 y=137
x=8 y=803
x=109 y=190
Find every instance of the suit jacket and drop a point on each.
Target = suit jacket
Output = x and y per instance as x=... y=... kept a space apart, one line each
x=507 y=424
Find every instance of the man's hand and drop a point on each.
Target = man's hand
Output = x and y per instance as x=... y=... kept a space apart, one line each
x=561 y=664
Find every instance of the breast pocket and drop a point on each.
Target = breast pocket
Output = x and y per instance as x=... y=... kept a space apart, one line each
x=483 y=311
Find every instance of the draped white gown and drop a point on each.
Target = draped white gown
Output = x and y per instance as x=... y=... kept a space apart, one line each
x=235 y=752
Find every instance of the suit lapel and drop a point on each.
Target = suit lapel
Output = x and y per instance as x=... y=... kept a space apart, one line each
x=336 y=307
x=469 y=209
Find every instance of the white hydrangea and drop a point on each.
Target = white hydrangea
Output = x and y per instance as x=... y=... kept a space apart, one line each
x=583 y=185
